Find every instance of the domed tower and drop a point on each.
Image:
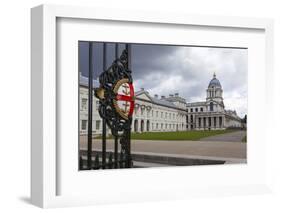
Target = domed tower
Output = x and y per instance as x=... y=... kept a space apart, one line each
x=214 y=91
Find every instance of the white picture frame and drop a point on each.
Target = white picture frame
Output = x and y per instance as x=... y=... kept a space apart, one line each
x=45 y=151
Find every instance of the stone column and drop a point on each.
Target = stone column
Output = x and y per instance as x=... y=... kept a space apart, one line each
x=144 y=112
x=133 y=125
x=203 y=126
x=139 y=125
x=144 y=125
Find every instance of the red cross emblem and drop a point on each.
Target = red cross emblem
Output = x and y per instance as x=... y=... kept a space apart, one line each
x=125 y=98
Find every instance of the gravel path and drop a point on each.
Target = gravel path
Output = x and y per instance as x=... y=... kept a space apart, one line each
x=236 y=136
x=201 y=148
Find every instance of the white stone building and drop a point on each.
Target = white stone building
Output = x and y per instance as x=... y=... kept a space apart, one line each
x=211 y=114
x=153 y=114
x=172 y=113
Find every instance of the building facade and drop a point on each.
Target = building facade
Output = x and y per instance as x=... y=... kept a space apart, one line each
x=171 y=113
x=211 y=114
x=154 y=114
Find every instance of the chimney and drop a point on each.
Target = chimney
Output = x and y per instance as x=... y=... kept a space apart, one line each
x=155 y=96
x=171 y=95
x=142 y=89
x=176 y=94
x=163 y=97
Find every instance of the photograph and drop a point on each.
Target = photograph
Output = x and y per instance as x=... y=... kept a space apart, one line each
x=158 y=105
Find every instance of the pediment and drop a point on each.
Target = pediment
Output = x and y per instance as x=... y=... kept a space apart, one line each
x=143 y=96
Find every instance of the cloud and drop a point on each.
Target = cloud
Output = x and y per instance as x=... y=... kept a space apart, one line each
x=164 y=70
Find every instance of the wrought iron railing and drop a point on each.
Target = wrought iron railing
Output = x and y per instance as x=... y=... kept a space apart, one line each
x=116 y=117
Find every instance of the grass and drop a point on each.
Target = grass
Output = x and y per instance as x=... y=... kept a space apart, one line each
x=184 y=135
x=175 y=136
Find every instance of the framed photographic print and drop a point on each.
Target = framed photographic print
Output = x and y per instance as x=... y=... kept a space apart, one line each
x=149 y=106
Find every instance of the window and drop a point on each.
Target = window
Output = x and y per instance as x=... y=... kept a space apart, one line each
x=84 y=125
x=211 y=106
x=84 y=103
x=201 y=109
x=97 y=124
x=196 y=109
x=161 y=114
x=191 y=110
x=97 y=104
x=156 y=113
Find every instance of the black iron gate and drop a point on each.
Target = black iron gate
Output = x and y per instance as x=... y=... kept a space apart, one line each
x=116 y=105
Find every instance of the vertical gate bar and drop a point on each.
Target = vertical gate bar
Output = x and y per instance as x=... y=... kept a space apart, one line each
x=129 y=50
x=90 y=103
x=128 y=160
x=103 y=120
x=116 y=152
x=116 y=50
x=116 y=138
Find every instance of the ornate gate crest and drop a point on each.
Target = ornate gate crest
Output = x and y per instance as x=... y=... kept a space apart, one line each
x=116 y=96
x=124 y=102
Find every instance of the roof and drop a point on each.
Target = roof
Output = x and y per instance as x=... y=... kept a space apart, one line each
x=157 y=101
x=193 y=104
x=175 y=99
x=83 y=81
x=163 y=102
x=214 y=82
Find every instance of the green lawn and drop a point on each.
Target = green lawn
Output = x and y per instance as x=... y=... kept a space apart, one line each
x=185 y=135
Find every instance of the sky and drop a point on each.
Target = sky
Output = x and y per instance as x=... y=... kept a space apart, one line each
x=164 y=70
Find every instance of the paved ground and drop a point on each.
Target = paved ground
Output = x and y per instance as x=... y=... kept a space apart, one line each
x=220 y=149
x=236 y=136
